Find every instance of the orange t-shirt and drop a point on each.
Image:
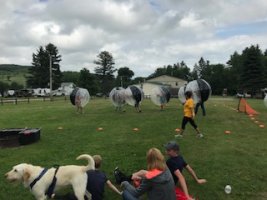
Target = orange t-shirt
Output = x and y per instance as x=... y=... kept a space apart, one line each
x=188 y=108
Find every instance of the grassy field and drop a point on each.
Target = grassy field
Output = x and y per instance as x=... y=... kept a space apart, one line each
x=13 y=73
x=238 y=159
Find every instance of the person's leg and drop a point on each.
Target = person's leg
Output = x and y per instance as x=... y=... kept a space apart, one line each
x=184 y=122
x=203 y=109
x=196 y=108
x=192 y=122
x=128 y=196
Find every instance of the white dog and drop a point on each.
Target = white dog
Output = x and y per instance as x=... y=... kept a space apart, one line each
x=39 y=179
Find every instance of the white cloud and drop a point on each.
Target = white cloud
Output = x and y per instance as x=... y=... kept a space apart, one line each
x=142 y=35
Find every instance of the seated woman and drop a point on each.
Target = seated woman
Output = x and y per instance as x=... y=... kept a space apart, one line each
x=156 y=181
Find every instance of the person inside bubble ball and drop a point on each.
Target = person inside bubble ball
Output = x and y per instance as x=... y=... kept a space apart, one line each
x=78 y=103
x=201 y=104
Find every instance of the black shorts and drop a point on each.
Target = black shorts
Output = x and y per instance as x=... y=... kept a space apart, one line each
x=190 y=120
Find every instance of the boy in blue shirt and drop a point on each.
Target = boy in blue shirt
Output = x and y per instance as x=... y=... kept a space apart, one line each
x=176 y=164
x=97 y=180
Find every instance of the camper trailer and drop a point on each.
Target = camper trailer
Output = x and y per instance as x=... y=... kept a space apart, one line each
x=41 y=92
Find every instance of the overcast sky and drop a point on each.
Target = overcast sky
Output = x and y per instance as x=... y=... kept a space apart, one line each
x=140 y=34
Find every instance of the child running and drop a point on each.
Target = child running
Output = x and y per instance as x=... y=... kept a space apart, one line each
x=189 y=115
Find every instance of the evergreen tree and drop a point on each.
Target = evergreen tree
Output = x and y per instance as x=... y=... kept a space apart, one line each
x=104 y=70
x=235 y=68
x=252 y=77
x=200 y=68
x=265 y=68
x=56 y=58
x=40 y=70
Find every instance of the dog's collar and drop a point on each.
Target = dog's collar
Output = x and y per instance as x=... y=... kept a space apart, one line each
x=38 y=178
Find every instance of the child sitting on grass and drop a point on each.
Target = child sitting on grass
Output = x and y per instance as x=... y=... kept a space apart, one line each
x=176 y=164
x=97 y=179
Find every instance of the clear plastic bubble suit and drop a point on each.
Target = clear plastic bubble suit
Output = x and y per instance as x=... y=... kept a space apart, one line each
x=133 y=95
x=80 y=95
x=265 y=100
x=200 y=88
x=181 y=95
x=117 y=96
x=160 y=95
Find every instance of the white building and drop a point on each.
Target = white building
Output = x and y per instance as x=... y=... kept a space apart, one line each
x=67 y=87
x=172 y=83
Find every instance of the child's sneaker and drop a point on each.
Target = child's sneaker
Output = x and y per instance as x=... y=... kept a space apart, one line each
x=117 y=175
x=200 y=135
x=120 y=176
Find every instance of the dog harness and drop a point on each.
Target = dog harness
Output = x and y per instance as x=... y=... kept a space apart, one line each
x=50 y=190
x=38 y=178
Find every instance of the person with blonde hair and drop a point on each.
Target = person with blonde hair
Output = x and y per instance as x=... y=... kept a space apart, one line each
x=156 y=181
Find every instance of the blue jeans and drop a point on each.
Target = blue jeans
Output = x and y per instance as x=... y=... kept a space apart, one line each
x=128 y=196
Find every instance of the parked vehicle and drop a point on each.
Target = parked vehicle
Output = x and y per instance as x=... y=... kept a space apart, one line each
x=41 y=92
x=24 y=93
x=11 y=93
x=243 y=95
x=58 y=92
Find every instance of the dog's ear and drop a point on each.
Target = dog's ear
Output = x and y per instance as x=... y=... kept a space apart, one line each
x=26 y=175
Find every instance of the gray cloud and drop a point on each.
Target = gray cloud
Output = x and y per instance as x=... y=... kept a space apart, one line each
x=142 y=35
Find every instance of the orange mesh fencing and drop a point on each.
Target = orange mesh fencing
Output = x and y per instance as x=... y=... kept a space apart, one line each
x=244 y=107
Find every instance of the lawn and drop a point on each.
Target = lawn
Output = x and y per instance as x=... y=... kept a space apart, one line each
x=238 y=159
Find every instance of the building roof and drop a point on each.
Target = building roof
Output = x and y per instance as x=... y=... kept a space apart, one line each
x=66 y=84
x=166 y=78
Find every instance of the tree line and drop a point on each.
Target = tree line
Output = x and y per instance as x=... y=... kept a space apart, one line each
x=245 y=72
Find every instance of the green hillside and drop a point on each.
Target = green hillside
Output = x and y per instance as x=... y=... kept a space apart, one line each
x=13 y=73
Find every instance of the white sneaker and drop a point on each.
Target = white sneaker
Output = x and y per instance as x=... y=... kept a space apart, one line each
x=200 y=135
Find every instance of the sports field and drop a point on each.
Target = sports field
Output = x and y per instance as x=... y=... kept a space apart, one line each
x=238 y=159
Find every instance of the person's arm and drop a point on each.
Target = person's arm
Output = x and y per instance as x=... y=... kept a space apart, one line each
x=140 y=190
x=182 y=182
x=139 y=175
x=113 y=188
x=193 y=112
x=193 y=174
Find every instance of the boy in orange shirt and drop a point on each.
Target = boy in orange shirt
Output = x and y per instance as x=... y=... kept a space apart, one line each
x=189 y=115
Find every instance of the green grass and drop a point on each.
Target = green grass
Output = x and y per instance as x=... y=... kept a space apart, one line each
x=13 y=73
x=238 y=159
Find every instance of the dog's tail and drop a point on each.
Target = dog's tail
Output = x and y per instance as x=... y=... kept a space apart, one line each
x=91 y=162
